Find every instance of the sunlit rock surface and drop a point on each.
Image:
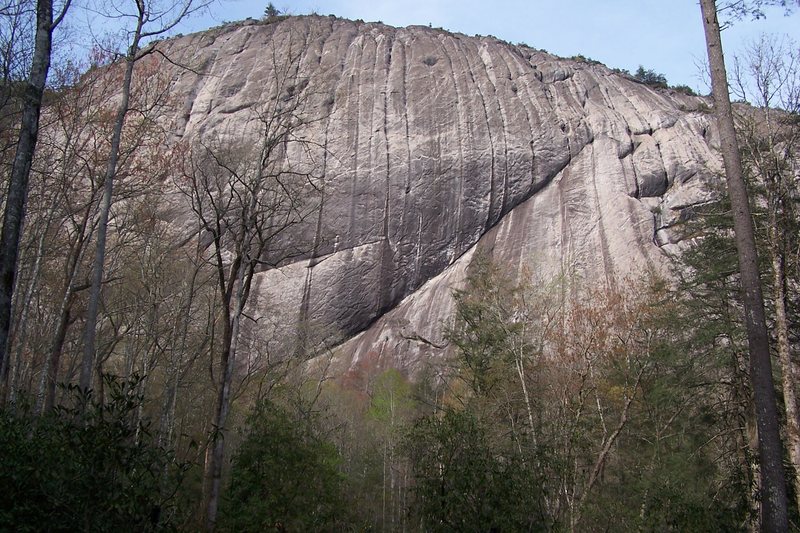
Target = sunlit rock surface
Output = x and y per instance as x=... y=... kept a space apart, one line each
x=432 y=145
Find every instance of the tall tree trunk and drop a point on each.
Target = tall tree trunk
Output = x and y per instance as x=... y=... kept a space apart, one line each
x=87 y=364
x=20 y=171
x=54 y=360
x=20 y=337
x=50 y=372
x=773 y=172
x=228 y=359
x=217 y=447
x=774 y=515
x=784 y=353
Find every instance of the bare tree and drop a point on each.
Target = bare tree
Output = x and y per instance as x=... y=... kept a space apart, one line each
x=17 y=20
x=16 y=196
x=65 y=187
x=249 y=204
x=768 y=76
x=68 y=166
x=151 y=19
x=17 y=30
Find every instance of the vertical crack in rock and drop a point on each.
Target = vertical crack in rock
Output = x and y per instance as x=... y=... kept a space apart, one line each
x=404 y=88
x=388 y=265
x=666 y=182
x=608 y=265
x=491 y=76
x=304 y=318
x=356 y=129
x=468 y=181
x=516 y=76
x=565 y=240
x=188 y=104
x=458 y=196
x=407 y=212
x=492 y=192
x=371 y=101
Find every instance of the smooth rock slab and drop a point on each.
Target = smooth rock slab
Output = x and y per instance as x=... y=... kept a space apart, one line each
x=431 y=145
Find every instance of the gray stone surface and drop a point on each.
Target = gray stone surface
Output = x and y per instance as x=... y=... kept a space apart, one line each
x=433 y=144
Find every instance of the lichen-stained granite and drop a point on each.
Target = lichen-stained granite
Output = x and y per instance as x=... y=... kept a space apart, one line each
x=432 y=145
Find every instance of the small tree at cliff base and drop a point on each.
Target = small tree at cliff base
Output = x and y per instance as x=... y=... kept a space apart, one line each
x=284 y=477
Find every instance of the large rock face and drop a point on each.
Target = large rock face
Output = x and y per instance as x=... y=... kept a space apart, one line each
x=432 y=145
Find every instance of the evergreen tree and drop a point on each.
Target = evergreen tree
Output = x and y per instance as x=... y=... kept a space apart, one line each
x=284 y=477
x=270 y=12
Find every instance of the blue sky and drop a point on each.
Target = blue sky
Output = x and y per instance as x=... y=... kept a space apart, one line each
x=663 y=35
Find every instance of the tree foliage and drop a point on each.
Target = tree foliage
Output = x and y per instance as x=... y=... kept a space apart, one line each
x=284 y=477
x=88 y=467
x=467 y=481
x=650 y=77
x=600 y=410
x=271 y=12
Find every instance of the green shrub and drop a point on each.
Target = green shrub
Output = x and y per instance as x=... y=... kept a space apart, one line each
x=583 y=59
x=684 y=89
x=283 y=478
x=464 y=482
x=83 y=468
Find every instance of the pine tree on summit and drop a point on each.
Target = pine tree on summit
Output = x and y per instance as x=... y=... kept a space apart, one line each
x=270 y=12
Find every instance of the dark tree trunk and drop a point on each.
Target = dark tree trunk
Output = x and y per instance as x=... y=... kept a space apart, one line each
x=14 y=215
x=773 y=488
x=54 y=359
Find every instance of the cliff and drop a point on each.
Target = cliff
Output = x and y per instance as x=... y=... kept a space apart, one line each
x=431 y=145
